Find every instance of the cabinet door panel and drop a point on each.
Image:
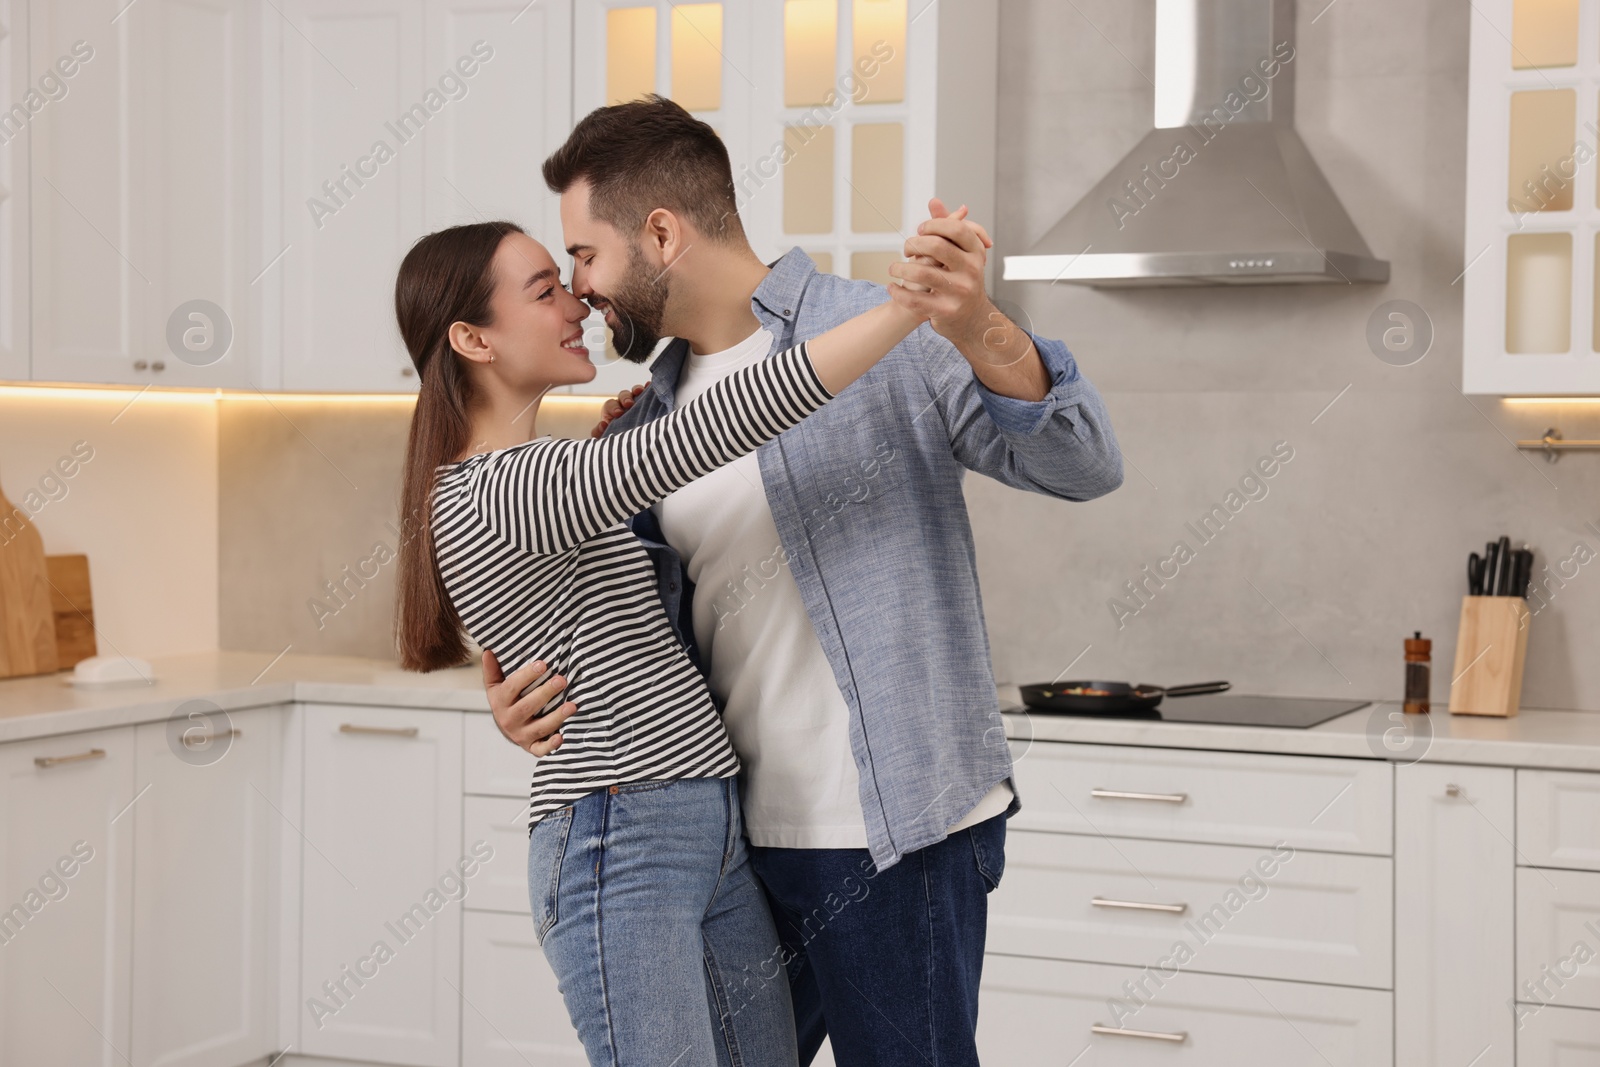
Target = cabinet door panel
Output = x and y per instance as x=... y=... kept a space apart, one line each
x=352 y=188
x=502 y=882
x=142 y=178
x=1040 y=1013
x=14 y=73
x=517 y=1015
x=66 y=860
x=381 y=939
x=1225 y=798
x=205 y=891
x=1454 y=868
x=1315 y=917
x=1558 y=927
x=1558 y=819
x=1558 y=1037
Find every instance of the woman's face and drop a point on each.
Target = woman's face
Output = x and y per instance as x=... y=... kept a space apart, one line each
x=536 y=333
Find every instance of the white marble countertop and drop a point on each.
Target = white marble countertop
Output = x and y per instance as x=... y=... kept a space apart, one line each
x=46 y=705
x=1538 y=737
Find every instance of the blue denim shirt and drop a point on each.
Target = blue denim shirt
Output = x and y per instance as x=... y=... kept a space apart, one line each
x=866 y=495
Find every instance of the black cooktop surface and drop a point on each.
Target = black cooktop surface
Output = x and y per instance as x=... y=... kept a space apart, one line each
x=1234 y=709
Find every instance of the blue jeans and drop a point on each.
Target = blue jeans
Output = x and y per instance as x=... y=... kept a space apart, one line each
x=886 y=963
x=657 y=931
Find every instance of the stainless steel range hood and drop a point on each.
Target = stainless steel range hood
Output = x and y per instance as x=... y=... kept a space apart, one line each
x=1223 y=191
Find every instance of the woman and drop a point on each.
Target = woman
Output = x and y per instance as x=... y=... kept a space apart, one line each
x=638 y=880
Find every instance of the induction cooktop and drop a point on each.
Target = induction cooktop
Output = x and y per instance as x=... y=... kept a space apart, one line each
x=1229 y=709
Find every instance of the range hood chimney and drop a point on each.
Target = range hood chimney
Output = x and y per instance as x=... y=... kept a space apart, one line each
x=1223 y=191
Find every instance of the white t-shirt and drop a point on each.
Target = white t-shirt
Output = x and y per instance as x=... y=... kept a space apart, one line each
x=784 y=712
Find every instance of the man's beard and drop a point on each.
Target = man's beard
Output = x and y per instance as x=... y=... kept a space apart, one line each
x=638 y=306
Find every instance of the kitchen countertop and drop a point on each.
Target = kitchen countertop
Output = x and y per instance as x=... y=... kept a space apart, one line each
x=45 y=706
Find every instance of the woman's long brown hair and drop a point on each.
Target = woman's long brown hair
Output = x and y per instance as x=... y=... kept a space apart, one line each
x=447 y=277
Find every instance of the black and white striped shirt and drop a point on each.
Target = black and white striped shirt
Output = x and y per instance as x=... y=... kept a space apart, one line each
x=539 y=563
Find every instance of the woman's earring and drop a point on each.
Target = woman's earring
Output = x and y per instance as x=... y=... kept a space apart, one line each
x=491 y=359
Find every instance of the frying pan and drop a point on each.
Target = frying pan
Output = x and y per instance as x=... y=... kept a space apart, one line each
x=1118 y=696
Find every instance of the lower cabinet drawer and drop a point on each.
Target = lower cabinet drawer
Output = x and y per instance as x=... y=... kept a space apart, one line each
x=1269 y=913
x=1558 y=937
x=516 y=1016
x=1557 y=1037
x=494 y=766
x=1219 y=798
x=1043 y=1013
x=502 y=883
x=1558 y=819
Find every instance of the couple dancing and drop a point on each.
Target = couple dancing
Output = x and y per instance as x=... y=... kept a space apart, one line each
x=763 y=563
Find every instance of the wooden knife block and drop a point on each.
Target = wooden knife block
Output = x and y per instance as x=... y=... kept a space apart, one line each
x=1491 y=646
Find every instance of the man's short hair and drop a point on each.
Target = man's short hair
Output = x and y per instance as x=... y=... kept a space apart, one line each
x=647 y=154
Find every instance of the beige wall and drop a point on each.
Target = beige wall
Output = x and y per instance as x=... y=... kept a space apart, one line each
x=143 y=507
x=308 y=492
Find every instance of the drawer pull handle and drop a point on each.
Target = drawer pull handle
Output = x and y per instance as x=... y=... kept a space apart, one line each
x=51 y=761
x=391 y=731
x=1118 y=794
x=199 y=740
x=1452 y=790
x=1135 y=905
x=1151 y=1035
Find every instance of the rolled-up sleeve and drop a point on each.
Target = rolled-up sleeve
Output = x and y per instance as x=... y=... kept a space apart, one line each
x=1061 y=445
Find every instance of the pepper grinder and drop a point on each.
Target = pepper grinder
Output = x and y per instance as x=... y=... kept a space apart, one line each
x=1419 y=657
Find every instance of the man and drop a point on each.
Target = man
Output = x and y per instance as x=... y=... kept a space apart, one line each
x=829 y=577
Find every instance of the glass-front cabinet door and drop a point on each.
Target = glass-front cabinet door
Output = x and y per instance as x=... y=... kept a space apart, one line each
x=1531 y=298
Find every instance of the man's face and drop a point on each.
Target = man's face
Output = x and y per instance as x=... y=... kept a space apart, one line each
x=610 y=271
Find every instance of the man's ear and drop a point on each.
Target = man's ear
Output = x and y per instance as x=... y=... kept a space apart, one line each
x=469 y=341
x=665 y=233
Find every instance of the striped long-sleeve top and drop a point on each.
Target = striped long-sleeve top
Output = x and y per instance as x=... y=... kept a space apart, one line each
x=539 y=563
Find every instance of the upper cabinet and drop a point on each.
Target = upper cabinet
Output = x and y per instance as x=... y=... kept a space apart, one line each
x=1531 y=318
x=400 y=118
x=219 y=192
x=139 y=130
x=842 y=117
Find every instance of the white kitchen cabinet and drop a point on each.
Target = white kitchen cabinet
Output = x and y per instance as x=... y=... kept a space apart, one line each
x=1226 y=798
x=517 y=1016
x=501 y=823
x=1044 y=1013
x=1306 y=916
x=381 y=936
x=14 y=190
x=66 y=861
x=1531 y=320
x=1559 y=1037
x=1454 y=867
x=400 y=117
x=206 y=835
x=495 y=767
x=142 y=184
x=1558 y=819
x=1558 y=937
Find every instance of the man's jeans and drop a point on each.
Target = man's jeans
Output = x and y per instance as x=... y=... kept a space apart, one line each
x=886 y=964
x=648 y=912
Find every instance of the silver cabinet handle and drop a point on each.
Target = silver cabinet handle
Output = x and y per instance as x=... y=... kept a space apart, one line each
x=51 y=761
x=193 y=741
x=1117 y=794
x=1151 y=1035
x=392 y=731
x=1134 y=905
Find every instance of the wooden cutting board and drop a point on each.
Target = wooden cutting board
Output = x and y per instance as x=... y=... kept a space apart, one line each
x=27 y=620
x=73 y=605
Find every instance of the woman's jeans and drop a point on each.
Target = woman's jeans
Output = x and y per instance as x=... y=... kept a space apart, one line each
x=658 y=933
